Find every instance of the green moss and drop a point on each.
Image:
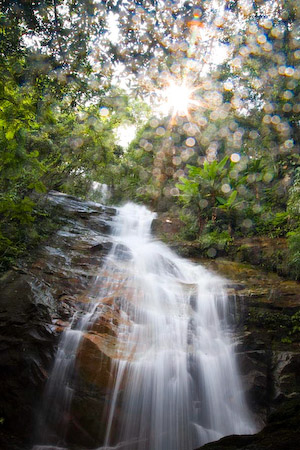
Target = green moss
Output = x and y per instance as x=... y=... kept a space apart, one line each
x=221 y=239
x=269 y=319
x=280 y=326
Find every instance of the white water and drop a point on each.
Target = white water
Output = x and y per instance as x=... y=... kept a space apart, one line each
x=102 y=190
x=180 y=386
x=176 y=384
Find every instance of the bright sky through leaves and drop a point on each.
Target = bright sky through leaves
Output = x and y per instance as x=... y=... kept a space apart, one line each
x=125 y=134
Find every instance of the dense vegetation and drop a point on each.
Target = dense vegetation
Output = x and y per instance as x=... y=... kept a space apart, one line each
x=228 y=166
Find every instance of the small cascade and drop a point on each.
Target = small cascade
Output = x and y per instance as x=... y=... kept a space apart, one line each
x=175 y=379
x=100 y=192
x=54 y=416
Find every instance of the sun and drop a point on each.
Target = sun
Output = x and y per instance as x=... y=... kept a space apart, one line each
x=177 y=99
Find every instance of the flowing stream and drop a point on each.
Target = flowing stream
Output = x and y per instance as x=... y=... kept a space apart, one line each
x=176 y=384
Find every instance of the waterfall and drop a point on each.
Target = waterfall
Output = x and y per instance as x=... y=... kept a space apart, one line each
x=100 y=190
x=176 y=384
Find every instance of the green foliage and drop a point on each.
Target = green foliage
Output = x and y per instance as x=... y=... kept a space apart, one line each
x=293 y=204
x=42 y=151
x=204 y=187
x=49 y=137
x=190 y=230
x=296 y=323
x=271 y=320
x=226 y=203
x=293 y=331
x=294 y=253
x=271 y=224
x=215 y=239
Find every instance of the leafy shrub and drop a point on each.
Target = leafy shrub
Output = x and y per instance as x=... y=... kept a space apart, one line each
x=218 y=239
x=294 y=329
x=190 y=231
x=272 y=224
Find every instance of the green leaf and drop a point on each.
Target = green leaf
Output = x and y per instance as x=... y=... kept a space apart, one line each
x=221 y=200
x=38 y=186
x=194 y=171
x=10 y=134
x=34 y=154
x=232 y=198
x=222 y=163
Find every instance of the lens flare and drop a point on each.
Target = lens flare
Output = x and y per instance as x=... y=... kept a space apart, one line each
x=177 y=99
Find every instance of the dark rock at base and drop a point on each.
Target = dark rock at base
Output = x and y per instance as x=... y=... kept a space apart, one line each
x=254 y=368
x=86 y=417
x=12 y=442
x=281 y=433
x=26 y=340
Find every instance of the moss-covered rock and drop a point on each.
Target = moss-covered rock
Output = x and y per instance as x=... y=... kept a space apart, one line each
x=270 y=253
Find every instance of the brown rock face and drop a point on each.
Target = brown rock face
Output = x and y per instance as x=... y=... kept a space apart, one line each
x=93 y=365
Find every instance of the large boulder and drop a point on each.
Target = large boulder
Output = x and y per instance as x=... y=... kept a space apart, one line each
x=282 y=432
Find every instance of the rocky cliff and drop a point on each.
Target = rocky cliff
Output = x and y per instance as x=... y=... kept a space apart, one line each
x=38 y=298
x=41 y=294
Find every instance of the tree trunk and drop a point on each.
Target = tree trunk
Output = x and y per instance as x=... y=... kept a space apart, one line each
x=201 y=224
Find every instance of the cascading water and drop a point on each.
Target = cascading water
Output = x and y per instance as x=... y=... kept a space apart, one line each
x=176 y=385
x=180 y=386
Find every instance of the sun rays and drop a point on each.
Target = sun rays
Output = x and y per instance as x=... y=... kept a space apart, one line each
x=177 y=99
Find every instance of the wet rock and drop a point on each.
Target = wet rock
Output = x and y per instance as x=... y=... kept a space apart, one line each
x=94 y=378
x=38 y=299
x=166 y=223
x=100 y=226
x=102 y=247
x=94 y=362
x=286 y=370
x=26 y=340
x=123 y=253
x=281 y=433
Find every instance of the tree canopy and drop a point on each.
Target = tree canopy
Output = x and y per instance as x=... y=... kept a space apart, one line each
x=223 y=151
